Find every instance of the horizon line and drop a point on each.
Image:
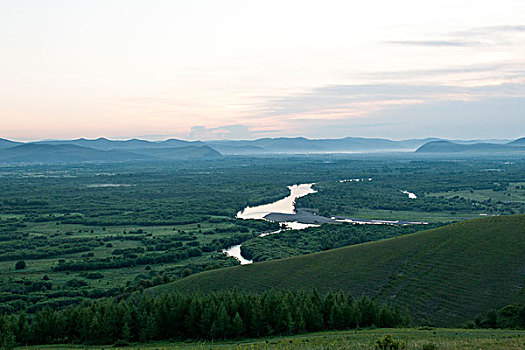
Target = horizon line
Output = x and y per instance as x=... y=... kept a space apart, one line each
x=138 y=138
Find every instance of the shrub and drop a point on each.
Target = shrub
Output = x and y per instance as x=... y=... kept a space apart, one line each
x=428 y=346
x=121 y=343
x=20 y=265
x=76 y=283
x=388 y=343
x=93 y=275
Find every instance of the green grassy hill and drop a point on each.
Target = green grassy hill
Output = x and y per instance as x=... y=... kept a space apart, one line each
x=444 y=276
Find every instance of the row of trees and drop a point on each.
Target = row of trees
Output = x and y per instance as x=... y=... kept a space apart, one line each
x=510 y=316
x=118 y=262
x=315 y=239
x=197 y=316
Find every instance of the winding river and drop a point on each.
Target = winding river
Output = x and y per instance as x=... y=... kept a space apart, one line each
x=410 y=194
x=282 y=206
x=284 y=211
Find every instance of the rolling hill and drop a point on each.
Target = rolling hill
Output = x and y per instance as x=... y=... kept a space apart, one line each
x=445 y=276
x=43 y=153
x=131 y=144
x=8 y=143
x=69 y=153
x=451 y=147
x=518 y=142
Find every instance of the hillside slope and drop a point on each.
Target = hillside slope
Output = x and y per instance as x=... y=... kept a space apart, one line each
x=446 y=275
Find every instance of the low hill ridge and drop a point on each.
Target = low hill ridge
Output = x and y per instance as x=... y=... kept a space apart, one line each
x=71 y=153
x=518 y=142
x=4 y=143
x=451 y=147
x=445 y=276
x=299 y=145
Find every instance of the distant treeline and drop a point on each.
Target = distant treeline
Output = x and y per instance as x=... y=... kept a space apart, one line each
x=315 y=239
x=197 y=316
x=510 y=316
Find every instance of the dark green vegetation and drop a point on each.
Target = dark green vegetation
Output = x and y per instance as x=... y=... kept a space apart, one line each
x=442 y=276
x=315 y=239
x=90 y=231
x=509 y=316
x=446 y=191
x=197 y=316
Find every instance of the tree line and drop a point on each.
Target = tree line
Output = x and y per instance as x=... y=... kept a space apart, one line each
x=220 y=315
x=315 y=239
x=509 y=316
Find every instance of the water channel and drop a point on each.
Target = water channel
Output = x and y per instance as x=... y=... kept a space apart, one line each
x=282 y=206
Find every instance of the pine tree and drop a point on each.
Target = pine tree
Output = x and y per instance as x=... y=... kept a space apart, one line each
x=256 y=321
x=238 y=326
x=221 y=326
x=95 y=330
x=22 y=328
x=209 y=314
x=7 y=333
x=126 y=332
x=193 y=317
x=147 y=327
x=313 y=316
x=44 y=326
x=337 y=320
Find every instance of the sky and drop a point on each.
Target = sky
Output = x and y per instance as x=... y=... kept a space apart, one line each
x=227 y=69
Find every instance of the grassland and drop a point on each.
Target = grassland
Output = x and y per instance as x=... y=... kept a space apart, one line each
x=513 y=192
x=442 y=276
x=441 y=338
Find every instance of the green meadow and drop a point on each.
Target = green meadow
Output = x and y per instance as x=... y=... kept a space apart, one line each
x=411 y=338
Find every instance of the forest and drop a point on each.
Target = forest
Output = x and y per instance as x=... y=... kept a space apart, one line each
x=197 y=316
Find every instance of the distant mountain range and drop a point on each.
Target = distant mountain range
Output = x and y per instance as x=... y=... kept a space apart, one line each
x=304 y=145
x=105 y=150
x=482 y=147
x=132 y=144
x=69 y=152
x=301 y=145
x=518 y=142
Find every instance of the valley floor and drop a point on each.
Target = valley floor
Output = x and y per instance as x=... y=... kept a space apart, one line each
x=422 y=338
